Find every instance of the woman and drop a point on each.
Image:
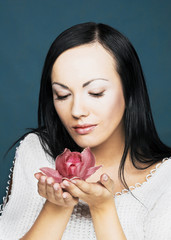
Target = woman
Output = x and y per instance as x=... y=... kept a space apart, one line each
x=92 y=94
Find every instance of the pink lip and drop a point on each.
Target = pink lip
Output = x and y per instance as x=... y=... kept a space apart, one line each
x=84 y=129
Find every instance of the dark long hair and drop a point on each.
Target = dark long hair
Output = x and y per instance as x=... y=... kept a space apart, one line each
x=141 y=138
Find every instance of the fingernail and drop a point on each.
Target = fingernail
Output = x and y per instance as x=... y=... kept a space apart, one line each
x=105 y=177
x=36 y=176
x=62 y=185
x=73 y=181
x=64 y=195
x=42 y=179
x=49 y=180
x=56 y=186
x=66 y=183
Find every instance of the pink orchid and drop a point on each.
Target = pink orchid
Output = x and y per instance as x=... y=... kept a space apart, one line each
x=72 y=165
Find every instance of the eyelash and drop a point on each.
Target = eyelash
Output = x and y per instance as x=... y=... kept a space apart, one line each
x=96 y=95
x=60 y=98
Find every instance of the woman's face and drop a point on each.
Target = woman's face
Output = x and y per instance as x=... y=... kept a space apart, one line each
x=88 y=95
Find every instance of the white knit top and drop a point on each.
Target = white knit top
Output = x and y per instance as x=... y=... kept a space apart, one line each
x=146 y=215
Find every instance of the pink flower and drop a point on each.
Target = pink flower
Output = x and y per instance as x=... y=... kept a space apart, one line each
x=72 y=165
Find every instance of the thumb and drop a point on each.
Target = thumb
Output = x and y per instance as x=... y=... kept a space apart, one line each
x=107 y=182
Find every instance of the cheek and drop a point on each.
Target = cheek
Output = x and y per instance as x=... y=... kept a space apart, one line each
x=115 y=107
x=61 y=111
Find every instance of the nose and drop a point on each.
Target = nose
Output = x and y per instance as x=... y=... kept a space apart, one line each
x=79 y=108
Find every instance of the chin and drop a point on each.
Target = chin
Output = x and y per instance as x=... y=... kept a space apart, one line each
x=84 y=144
x=84 y=141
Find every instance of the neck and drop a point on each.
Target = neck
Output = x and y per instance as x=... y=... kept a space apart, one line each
x=110 y=152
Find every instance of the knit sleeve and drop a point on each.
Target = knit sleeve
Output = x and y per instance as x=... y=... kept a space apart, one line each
x=24 y=203
x=158 y=221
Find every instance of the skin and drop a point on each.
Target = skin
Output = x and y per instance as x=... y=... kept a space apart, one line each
x=87 y=89
x=94 y=66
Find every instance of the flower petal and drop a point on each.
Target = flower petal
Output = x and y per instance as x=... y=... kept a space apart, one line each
x=88 y=161
x=61 y=161
x=90 y=171
x=52 y=173
x=74 y=158
x=72 y=171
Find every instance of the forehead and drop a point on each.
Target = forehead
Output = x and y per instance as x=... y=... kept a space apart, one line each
x=84 y=62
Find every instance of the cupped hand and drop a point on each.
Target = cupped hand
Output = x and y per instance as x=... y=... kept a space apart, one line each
x=97 y=195
x=53 y=192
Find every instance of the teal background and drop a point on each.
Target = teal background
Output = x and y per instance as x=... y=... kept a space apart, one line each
x=27 y=28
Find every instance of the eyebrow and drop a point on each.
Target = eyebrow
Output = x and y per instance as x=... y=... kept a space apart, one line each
x=84 y=85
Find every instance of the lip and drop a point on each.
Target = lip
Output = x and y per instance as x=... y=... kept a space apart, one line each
x=84 y=129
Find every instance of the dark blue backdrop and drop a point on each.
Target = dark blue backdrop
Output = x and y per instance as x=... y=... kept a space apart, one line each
x=27 y=29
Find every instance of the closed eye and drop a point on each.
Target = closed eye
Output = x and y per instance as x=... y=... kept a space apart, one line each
x=100 y=94
x=58 y=97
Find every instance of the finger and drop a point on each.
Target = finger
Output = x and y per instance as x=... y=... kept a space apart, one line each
x=69 y=200
x=62 y=185
x=72 y=189
x=49 y=188
x=67 y=197
x=42 y=186
x=57 y=191
x=85 y=187
x=107 y=182
x=64 y=197
x=38 y=175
